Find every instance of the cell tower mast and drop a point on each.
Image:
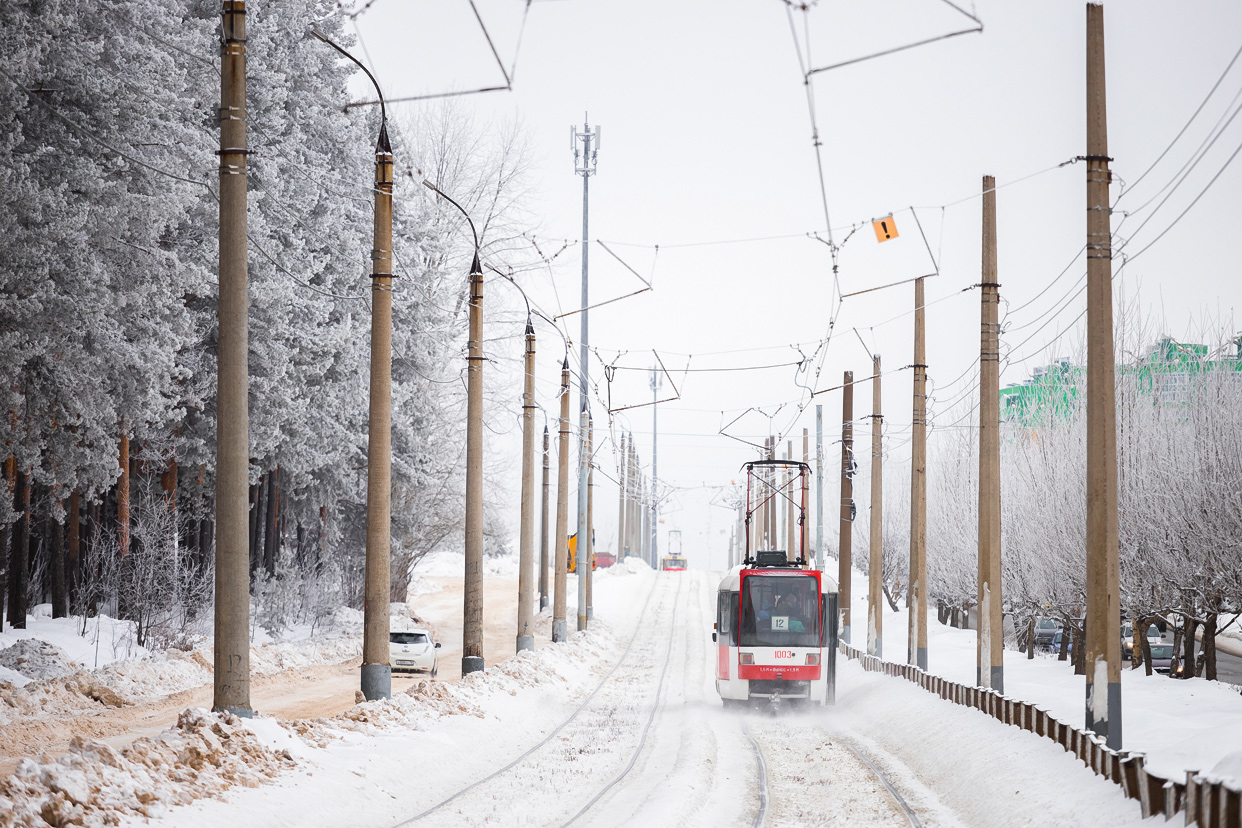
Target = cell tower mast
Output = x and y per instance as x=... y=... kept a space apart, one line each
x=584 y=165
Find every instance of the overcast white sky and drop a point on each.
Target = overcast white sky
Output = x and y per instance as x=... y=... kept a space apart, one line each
x=706 y=137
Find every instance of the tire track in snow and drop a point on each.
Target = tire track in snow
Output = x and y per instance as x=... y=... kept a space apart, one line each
x=608 y=715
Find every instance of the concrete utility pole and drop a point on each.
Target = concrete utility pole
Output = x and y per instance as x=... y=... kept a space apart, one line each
x=917 y=649
x=590 y=535
x=586 y=169
x=543 y=528
x=622 y=462
x=820 y=557
x=559 y=630
x=990 y=660
x=376 y=669
x=875 y=566
x=526 y=542
x=657 y=382
x=472 y=618
x=376 y=673
x=232 y=605
x=844 y=553
x=1103 y=576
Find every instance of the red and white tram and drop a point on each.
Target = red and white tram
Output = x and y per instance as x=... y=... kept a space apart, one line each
x=776 y=618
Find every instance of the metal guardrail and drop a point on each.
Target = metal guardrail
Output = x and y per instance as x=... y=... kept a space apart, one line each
x=1204 y=801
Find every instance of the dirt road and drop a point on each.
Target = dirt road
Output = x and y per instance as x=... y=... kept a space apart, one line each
x=314 y=692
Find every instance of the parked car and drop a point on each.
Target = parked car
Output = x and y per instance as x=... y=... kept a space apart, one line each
x=1056 y=642
x=1045 y=630
x=1161 y=657
x=412 y=651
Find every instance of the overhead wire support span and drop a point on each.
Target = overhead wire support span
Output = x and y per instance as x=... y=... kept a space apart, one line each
x=893 y=284
x=508 y=74
x=974 y=29
x=618 y=298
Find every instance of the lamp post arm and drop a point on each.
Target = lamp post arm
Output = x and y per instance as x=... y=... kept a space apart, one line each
x=320 y=35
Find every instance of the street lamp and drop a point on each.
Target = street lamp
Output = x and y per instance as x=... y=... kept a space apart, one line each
x=472 y=613
x=376 y=669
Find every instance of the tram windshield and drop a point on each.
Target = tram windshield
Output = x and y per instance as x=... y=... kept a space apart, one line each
x=780 y=611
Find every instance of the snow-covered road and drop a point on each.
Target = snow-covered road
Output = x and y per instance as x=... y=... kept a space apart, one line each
x=622 y=726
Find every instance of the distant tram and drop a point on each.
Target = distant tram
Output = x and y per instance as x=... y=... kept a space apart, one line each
x=673 y=563
x=776 y=618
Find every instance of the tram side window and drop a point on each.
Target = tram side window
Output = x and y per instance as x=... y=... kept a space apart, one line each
x=724 y=622
x=733 y=609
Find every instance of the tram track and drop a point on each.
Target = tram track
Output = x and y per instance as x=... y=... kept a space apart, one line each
x=817 y=770
x=574 y=717
x=655 y=707
x=762 y=768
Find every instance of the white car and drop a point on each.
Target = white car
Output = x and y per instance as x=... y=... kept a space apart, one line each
x=412 y=651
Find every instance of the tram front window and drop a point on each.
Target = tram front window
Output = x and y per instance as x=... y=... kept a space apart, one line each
x=780 y=611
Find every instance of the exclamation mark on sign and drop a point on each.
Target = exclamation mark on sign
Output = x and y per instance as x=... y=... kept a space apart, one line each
x=885 y=228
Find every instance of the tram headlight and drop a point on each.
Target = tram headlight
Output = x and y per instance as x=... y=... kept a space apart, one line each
x=748 y=658
x=812 y=658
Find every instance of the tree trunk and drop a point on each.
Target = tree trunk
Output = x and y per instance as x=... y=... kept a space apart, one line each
x=1144 y=646
x=72 y=567
x=122 y=499
x=1030 y=638
x=1209 y=647
x=256 y=503
x=19 y=551
x=1177 y=651
x=271 y=537
x=1188 y=641
x=1079 y=652
x=205 y=533
x=57 y=570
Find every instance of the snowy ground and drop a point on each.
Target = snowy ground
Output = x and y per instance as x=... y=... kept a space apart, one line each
x=619 y=726
x=1193 y=724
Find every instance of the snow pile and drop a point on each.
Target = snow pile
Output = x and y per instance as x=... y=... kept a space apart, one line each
x=94 y=784
x=78 y=693
x=37 y=659
x=102 y=641
x=427 y=702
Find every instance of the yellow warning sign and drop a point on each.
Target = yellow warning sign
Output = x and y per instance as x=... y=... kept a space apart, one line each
x=885 y=228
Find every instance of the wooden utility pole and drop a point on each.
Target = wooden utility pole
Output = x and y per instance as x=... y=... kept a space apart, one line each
x=232 y=604
x=472 y=603
x=526 y=541
x=559 y=631
x=1103 y=601
x=844 y=554
x=543 y=526
x=791 y=523
x=875 y=564
x=820 y=557
x=917 y=602
x=802 y=527
x=590 y=534
x=376 y=668
x=991 y=639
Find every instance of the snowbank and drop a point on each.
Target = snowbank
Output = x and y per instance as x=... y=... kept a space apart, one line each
x=1180 y=724
x=204 y=755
